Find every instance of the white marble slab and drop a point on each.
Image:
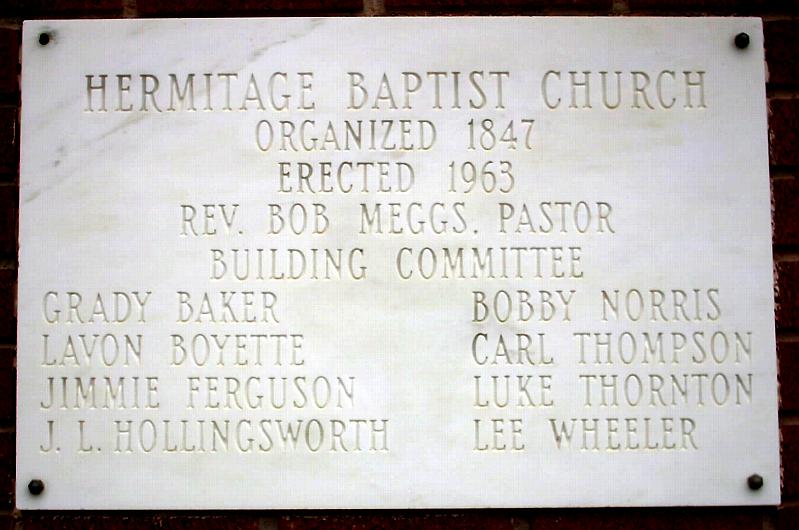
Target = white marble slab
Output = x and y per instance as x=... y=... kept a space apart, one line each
x=157 y=152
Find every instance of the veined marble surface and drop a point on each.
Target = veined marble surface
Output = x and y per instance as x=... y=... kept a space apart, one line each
x=392 y=263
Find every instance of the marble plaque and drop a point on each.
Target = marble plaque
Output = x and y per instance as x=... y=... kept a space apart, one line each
x=395 y=263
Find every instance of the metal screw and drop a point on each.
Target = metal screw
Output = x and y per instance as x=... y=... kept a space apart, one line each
x=742 y=41
x=755 y=482
x=44 y=38
x=36 y=486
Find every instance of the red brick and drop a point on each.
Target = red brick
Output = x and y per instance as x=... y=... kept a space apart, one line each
x=60 y=8
x=788 y=518
x=787 y=298
x=782 y=54
x=711 y=6
x=468 y=521
x=9 y=205
x=9 y=61
x=790 y=461
x=139 y=522
x=788 y=353
x=8 y=314
x=7 y=522
x=785 y=197
x=8 y=142
x=8 y=385
x=149 y=8
x=784 y=131
x=7 y=470
x=444 y=5
x=649 y=518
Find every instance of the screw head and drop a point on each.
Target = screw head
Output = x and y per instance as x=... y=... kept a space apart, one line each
x=44 y=38
x=36 y=486
x=742 y=41
x=755 y=482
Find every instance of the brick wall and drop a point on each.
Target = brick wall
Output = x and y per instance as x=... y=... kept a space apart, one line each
x=781 y=22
